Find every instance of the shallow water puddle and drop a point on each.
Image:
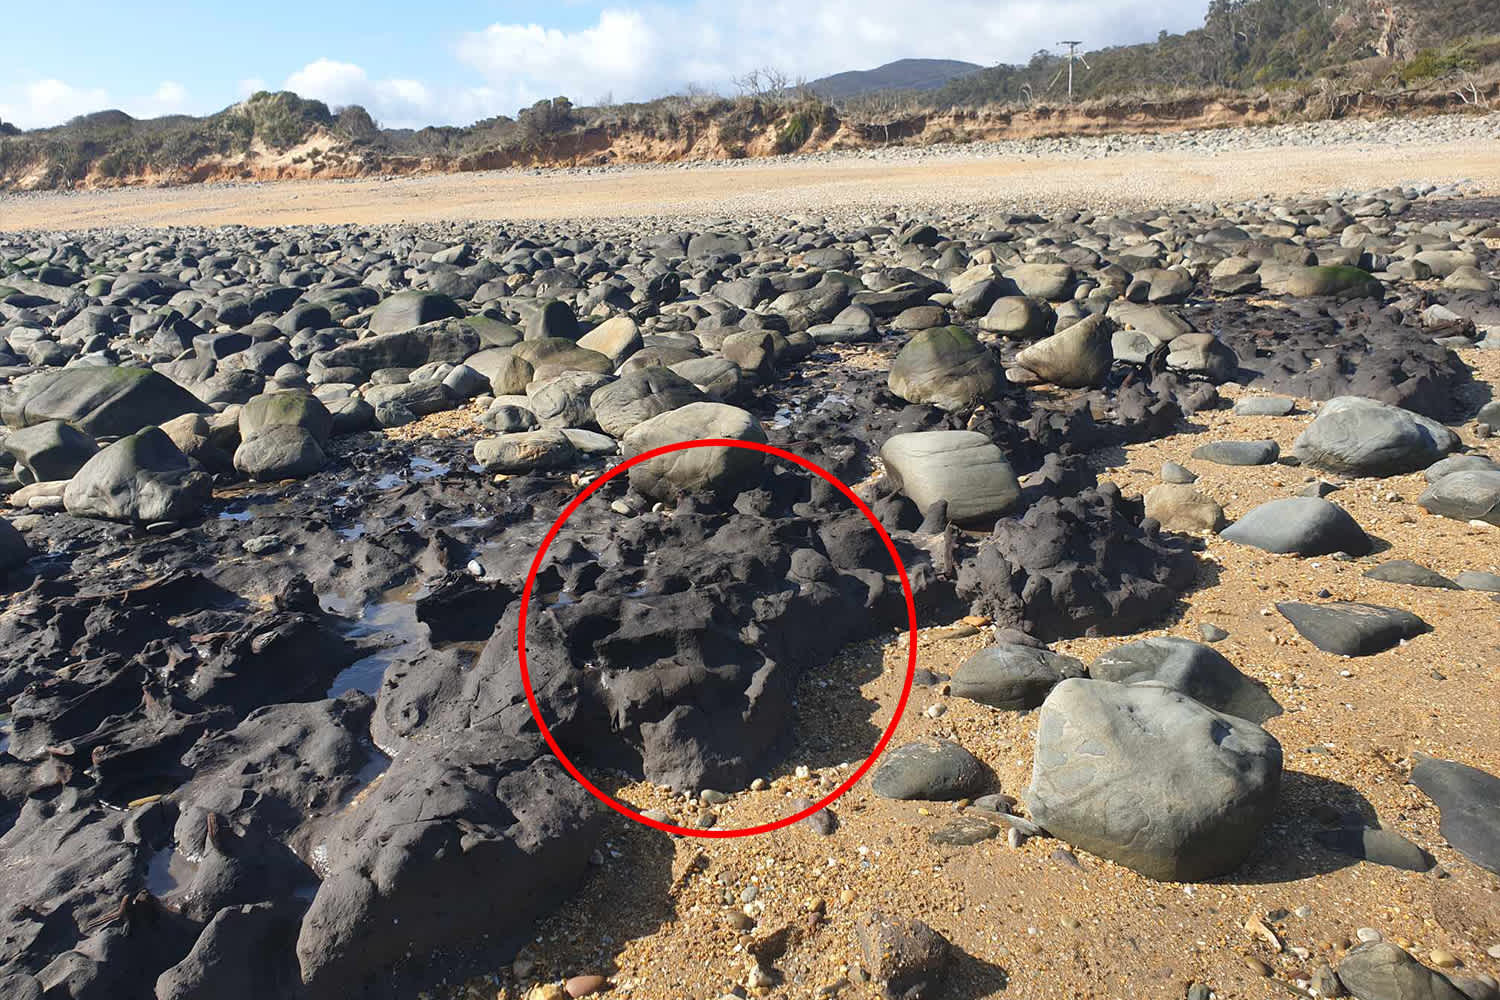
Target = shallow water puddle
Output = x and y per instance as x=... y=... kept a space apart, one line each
x=396 y=621
x=418 y=470
x=168 y=871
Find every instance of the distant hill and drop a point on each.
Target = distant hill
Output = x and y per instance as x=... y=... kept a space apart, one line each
x=903 y=74
x=1247 y=44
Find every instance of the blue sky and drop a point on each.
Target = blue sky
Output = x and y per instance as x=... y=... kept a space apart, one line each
x=454 y=62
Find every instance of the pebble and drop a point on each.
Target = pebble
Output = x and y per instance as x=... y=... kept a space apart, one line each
x=712 y=797
x=758 y=785
x=585 y=986
x=1493 y=951
x=1171 y=472
x=1212 y=633
x=1443 y=959
x=1368 y=935
x=261 y=544
x=1199 y=991
x=1256 y=966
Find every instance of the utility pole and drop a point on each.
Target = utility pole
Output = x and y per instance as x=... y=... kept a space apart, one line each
x=1073 y=54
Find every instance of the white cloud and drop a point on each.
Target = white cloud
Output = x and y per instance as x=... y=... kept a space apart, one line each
x=397 y=103
x=645 y=51
x=52 y=102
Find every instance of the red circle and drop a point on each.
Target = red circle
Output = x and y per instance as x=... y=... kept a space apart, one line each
x=885 y=737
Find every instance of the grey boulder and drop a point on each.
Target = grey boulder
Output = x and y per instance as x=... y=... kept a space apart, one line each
x=1468 y=801
x=1356 y=436
x=1465 y=496
x=100 y=400
x=1304 y=526
x=640 y=395
x=964 y=468
x=527 y=451
x=1350 y=628
x=947 y=367
x=1198 y=671
x=1383 y=971
x=932 y=772
x=1012 y=676
x=142 y=478
x=719 y=469
x=1152 y=779
x=1074 y=358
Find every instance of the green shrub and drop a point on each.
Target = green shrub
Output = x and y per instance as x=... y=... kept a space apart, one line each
x=794 y=133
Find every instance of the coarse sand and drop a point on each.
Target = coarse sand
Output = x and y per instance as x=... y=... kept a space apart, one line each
x=1129 y=181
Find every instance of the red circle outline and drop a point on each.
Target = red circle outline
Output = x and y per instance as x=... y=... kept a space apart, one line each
x=611 y=801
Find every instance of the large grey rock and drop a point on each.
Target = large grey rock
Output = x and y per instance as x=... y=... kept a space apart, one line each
x=245 y=953
x=1198 y=671
x=640 y=395
x=722 y=469
x=1012 y=676
x=1074 y=358
x=409 y=309
x=553 y=356
x=50 y=451
x=1018 y=318
x=1238 y=452
x=285 y=451
x=964 y=468
x=719 y=378
x=938 y=771
x=1350 y=628
x=563 y=401
x=527 y=451
x=1304 y=526
x=1468 y=801
x=1152 y=779
x=1362 y=437
x=1459 y=463
x=616 y=338
x=1340 y=282
x=1411 y=574
x=1203 y=354
x=946 y=367
x=286 y=409
x=1465 y=496
x=1160 y=323
x=1383 y=971
x=1049 y=282
x=447 y=341
x=549 y=318
x=143 y=477
x=101 y=401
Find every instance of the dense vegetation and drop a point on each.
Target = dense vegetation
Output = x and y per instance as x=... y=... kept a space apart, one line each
x=1320 y=52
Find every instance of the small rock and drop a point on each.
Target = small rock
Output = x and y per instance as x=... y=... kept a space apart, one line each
x=906 y=957
x=585 y=986
x=1171 y=472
